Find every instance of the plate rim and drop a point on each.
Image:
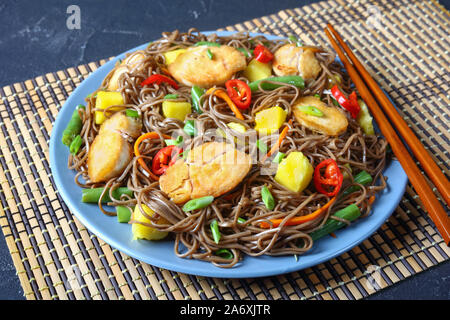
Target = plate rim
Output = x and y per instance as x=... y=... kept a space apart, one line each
x=216 y=271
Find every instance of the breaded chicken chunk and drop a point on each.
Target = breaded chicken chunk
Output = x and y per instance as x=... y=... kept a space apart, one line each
x=210 y=169
x=194 y=67
x=292 y=60
x=111 y=152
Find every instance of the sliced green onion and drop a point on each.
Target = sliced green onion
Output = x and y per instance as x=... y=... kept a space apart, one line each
x=261 y=146
x=189 y=128
x=311 y=110
x=241 y=220
x=248 y=53
x=75 y=145
x=279 y=157
x=132 y=113
x=196 y=93
x=215 y=231
x=363 y=178
x=317 y=96
x=123 y=214
x=209 y=54
x=207 y=43
x=174 y=142
x=224 y=253
x=198 y=203
x=171 y=96
x=267 y=198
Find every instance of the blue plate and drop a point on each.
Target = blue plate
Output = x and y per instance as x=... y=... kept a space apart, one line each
x=161 y=254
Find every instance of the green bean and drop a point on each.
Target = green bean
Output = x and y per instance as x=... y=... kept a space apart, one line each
x=171 y=96
x=262 y=146
x=207 y=43
x=75 y=145
x=176 y=142
x=247 y=52
x=196 y=93
x=93 y=195
x=279 y=157
x=349 y=213
x=123 y=214
x=215 y=231
x=132 y=113
x=267 y=198
x=224 y=253
x=363 y=178
x=293 y=80
x=73 y=127
x=241 y=220
x=198 y=203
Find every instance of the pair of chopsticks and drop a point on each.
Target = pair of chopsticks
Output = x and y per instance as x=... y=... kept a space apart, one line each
x=371 y=92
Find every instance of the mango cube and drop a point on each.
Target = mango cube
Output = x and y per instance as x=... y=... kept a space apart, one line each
x=176 y=109
x=141 y=231
x=270 y=120
x=257 y=70
x=171 y=56
x=104 y=100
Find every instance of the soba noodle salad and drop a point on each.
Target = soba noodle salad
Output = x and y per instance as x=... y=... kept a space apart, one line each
x=228 y=146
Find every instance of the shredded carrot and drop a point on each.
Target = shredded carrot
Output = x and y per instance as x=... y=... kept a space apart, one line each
x=333 y=235
x=277 y=145
x=145 y=136
x=299 y=220
x=371 y=199
x=223 y=95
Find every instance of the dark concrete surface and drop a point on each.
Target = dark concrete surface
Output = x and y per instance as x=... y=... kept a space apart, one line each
x=34 y=40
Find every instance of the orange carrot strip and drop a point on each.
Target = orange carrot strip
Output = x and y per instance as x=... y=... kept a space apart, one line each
x=277 y=145
x=145 y=136
x=299 y=220
x=223 y=95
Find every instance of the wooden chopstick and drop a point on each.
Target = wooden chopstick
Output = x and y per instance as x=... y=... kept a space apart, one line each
x=430 y=167
x=429 y=200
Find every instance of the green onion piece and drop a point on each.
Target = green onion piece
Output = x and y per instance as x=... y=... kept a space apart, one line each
x=224 y=253
x=174 y=142
x=317 y=96
x=261 y=146
x=293 y=80
x=215 y=230
x=123 y=214
x=295 y=40
x=132 y=113
x=207 y=43
x=93 y=195
x=363 y=178
x=170 y=96
x=73 y=127
x=248 y=53
x=75 y=145
x=196 y=93
x=189 y=128
x=198 y=203
x=279 y=157
x=311 y=110
x=241 y=220
x=349 y=213
x=267 y=198
x=209 y=54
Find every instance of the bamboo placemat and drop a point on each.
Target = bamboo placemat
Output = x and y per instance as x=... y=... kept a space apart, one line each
x=58 y=258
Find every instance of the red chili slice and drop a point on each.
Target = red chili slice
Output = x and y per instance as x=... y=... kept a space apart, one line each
x=262 y=54
x=332 y=178
x=158 y=79
x=350 y=104
x=239 y=92
x=164 y=158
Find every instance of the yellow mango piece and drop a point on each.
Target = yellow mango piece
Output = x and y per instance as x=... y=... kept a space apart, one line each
x=171 y=56
x=270 y=120
x=104 y=100
x=176 y=109
x=365 y=119
x=256 y=70
x=237 y=126
x=294 y=172
x=144 y=232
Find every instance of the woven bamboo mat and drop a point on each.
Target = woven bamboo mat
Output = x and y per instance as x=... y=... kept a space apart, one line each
x=58 y=258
